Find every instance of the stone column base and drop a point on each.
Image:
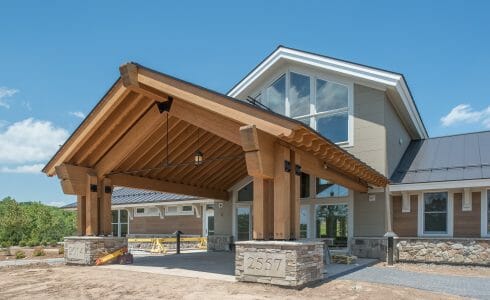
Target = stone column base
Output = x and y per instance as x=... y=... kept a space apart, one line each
x=85 y=250
x=291 y=264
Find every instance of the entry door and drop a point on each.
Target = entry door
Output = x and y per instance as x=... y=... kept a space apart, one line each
x=331 y=222
x=244 y=222
x=209 y=222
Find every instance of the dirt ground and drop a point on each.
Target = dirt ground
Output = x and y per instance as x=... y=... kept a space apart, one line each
x=441 y=269
x=50 y=252
x=68 y=282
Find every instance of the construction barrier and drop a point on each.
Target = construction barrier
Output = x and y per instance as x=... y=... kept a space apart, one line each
x=162 y=245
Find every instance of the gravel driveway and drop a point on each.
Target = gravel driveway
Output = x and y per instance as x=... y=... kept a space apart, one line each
x=466 y=286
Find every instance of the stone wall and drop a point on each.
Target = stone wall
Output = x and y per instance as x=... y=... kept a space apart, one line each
x=292 y=264
x=452 y=251
x=220 y=242
x=85 y=250
x=368 y=247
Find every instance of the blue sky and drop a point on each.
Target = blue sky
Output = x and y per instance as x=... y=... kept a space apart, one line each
x=58 y=58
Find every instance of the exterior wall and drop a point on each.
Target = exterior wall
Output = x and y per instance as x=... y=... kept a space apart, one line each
x=369 y=216
x=85 y=250
x=223 y=218
x=154 y=225
x=467 y=223
x=405 y=224
x=395 y=133
x=369 y=130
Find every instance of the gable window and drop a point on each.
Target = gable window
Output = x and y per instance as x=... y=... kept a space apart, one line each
x=322 y=104
x=246 y=193
x=276 y=96
x=435 y=212
x=325 y=188
x=304 y=189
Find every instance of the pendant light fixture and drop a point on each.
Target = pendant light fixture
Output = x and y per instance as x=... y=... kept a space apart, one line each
x=198 y=156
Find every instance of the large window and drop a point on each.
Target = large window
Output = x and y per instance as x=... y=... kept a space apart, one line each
x=322 y=104
x=325 y=188
x=435 y=212
x=120 y=222
x=331 y=222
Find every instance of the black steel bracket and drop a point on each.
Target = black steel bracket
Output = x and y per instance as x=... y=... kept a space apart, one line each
x=297 y=170
x=165 y=106
x=107 y=189
x=93 y=188
x=287 y=166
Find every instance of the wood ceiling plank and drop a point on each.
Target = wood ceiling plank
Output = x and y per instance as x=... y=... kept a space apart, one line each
x=129 y=142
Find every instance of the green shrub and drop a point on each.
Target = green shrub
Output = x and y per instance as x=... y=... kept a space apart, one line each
x=39 y=251
x=61 y=250
x=19 y=254
x=53 y=243
x=44 y=243
x=5 y=244
x=22 y=243
x=32 y=243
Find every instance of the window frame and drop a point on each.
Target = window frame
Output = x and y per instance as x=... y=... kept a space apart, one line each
x=449 y=215
x=314 y=115
x=485 y=213
x=179 y=211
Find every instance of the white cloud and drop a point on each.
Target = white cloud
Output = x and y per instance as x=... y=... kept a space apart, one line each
x=24 y=169
x=465 y=114
x=30 y=141
x=4 y=94
x=78 y=114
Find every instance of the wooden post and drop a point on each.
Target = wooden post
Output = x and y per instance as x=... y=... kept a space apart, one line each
x=92 y=205
x=262 y=210
x=295 y=194
x=282 y=190
x=81 y=215
x=105 y=199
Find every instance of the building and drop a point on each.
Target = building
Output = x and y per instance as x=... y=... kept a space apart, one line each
x=141 y=213
x=304 y=147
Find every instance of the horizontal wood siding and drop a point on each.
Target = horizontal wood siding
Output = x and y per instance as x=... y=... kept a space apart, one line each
x=405 y=224
x=168 y=225
x=467 y=223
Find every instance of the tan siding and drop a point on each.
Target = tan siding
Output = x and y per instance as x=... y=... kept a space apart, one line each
x=467 y=223
x=395 y=131
x=369 y=216
x=405 y=224
x=369 y=131
x=168 y=225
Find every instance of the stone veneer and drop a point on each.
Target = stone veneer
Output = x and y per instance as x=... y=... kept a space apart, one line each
x=369 y=247
x=291 y=264
x=85 y=250
x=441 y=250
x=219 y=242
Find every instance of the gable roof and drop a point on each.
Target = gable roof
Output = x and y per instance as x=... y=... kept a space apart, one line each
x=123 y=196
x=447 y=158
x=400 y=93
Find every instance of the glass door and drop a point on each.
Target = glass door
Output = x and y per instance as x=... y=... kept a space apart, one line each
x=331 y=222
x=244 y=220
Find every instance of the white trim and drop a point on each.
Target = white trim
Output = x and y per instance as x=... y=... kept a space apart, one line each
x=169 y=203
x=475 y=183
x=406 y=202
x=467 y=203
x=449 y=219
x=484 y=213
x=384 y=78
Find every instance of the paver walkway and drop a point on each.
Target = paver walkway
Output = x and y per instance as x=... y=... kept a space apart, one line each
x=466 y=286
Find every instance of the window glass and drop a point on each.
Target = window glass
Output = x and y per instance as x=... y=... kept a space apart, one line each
x=331 y=222
x=276 y=96
x=325 y=188
x=488 y=213
x=187 y=208
x=334 y=127
x=123 y=216
x=210 y=225
x=115 y=217
x=299 y=95
x=303 y=227
x=140 y=210
x=435 y=212
x=115 y=231
x=306 y=120
x=246 y=193
x=243 y=223
x=305 y=185
x=124 y=230
x=330 y=96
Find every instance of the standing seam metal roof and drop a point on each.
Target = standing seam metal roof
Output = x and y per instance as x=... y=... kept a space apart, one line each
x=447 y=158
